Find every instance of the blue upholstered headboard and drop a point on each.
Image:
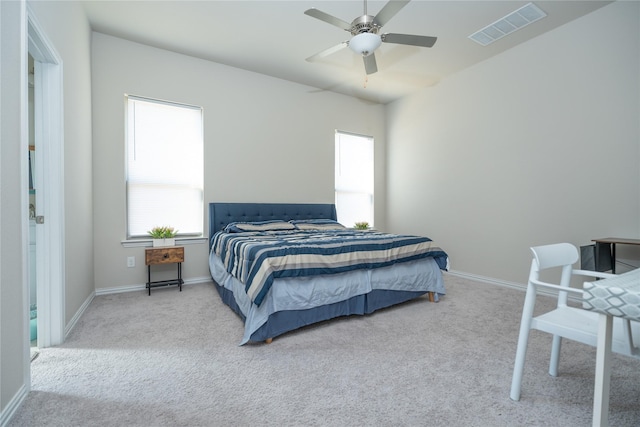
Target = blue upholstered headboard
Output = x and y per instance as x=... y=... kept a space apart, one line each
x=221 y=214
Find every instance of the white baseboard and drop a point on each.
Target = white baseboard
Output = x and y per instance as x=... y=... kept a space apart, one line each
x=119 y=289
x=142 y=287
x=13 y=405
x=513 y=285
x=489 y=280
x=79 y=313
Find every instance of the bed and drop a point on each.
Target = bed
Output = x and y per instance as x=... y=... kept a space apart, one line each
x=278 y=298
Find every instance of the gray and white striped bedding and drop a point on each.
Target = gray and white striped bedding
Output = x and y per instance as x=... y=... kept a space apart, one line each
x=256 y=259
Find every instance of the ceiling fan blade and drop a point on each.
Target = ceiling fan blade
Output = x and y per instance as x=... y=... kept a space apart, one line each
x=388 y=11
x=327 y=52
x=422 y=41
x=370 y=65
x=318 y=14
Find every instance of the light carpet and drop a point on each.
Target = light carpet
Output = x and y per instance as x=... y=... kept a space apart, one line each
x=172 y=359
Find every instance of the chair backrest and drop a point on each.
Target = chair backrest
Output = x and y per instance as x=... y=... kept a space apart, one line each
x=556 y=255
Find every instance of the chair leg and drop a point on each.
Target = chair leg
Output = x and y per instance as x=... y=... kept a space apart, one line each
x=602 y=384
x=555 y=355
x=523 y=339
x=628 y=333
x=518 y=368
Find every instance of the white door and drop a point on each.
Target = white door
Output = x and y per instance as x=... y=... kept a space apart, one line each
x=48 y=182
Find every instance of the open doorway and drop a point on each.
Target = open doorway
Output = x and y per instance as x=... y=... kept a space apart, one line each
x=46 y=189
x=33 y=294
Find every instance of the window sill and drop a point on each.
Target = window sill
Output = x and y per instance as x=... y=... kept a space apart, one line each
x=180 y=241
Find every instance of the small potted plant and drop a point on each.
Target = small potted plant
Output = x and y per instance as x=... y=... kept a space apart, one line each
x=362 y=225
x=163 y=235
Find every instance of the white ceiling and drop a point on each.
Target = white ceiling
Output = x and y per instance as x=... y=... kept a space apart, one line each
x=274 y=37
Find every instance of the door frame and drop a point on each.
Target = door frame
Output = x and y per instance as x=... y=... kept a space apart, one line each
x=49 y=134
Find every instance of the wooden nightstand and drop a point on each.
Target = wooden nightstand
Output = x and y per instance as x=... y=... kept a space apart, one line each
x=164 y=255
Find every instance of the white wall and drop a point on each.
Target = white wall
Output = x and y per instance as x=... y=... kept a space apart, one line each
x=266 y=140
x=13 y=233
x=67 y=29
x=538 y=145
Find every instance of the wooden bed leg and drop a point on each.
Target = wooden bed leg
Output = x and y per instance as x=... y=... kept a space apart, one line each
x=268 y=340
x=431 y=297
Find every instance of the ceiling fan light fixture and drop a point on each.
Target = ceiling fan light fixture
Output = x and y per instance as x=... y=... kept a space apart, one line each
x=365 y=43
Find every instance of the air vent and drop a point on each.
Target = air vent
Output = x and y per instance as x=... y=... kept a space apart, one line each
x=520 y=18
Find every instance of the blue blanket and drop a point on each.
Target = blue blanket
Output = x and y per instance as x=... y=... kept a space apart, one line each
x=257 y=258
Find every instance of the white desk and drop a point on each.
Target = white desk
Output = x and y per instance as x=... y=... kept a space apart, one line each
x=619 y=297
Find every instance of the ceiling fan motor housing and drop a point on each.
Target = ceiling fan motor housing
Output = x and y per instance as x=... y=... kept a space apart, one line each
x=364 y=24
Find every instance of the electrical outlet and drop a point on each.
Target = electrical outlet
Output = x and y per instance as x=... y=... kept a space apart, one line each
x=131 y=261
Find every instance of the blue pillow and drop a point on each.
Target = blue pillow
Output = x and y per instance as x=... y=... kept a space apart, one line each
x=317 y=224
x=239 y=227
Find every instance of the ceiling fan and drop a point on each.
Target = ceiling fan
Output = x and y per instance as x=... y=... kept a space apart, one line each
x=364 y=30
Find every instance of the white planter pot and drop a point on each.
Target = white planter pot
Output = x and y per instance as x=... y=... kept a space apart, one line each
x=164 y=242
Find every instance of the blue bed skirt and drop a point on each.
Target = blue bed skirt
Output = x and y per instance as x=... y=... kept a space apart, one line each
x=285 y=321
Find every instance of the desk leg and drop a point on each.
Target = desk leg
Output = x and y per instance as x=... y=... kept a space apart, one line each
x=613 y=258
x=603 y=372
x=149 y=278
x=180 y=276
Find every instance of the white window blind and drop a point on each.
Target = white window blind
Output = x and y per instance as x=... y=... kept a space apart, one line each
x=354 y=177
x=165 y=167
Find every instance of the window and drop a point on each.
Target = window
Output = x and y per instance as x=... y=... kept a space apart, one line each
x=164 y=166
x=354 y=178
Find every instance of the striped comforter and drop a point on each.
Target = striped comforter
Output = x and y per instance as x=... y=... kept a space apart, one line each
x=257 y=258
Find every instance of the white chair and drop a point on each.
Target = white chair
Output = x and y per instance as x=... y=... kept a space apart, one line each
x=564 y=321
